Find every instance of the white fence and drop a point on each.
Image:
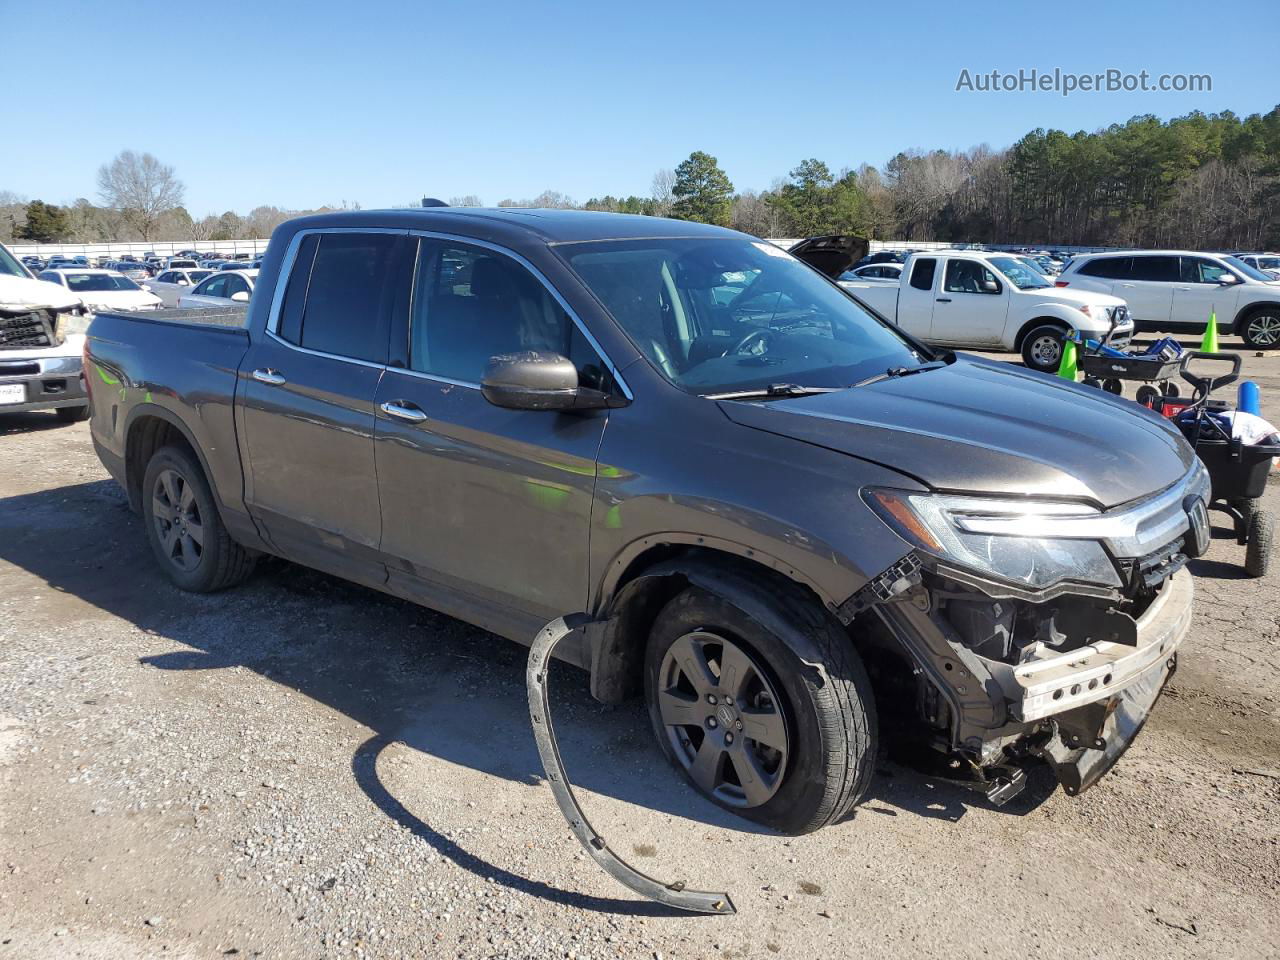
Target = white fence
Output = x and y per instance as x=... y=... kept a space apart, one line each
x=137 y=248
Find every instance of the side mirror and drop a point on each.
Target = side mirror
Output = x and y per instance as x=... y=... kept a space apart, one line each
x=240 y=297
x=990 y=286
x=539 y=380
x=184 y=283
x=1227 y=279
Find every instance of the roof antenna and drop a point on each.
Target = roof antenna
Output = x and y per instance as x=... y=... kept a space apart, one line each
x=433 y=202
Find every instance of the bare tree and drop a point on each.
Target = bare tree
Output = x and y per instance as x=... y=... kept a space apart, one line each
x=470 y=200
x=141 y=188
x=663 y=182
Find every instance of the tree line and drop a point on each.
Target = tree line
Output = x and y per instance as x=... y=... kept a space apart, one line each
x=1200 y=180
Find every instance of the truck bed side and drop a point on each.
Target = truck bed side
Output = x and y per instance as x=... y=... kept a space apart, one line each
x=149 y=374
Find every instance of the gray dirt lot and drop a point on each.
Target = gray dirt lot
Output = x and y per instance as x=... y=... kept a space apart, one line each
x=303 y=768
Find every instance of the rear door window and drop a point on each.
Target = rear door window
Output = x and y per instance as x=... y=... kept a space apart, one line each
x=1155 y=269
x=355 y=281
x=922 y=273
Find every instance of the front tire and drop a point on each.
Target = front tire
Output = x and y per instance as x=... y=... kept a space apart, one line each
x=1261 y=329
x=736 y=705
x=1042 y=347
x=184 y=528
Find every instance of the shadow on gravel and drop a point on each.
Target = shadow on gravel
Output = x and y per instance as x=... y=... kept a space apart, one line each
x=443 y=688
x=29 y=422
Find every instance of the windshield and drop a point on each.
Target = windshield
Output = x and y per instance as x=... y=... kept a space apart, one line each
x=11 y=267
x=1020 y=274
x=1247 y=270
x=86 y=282
x=718 y=315
x=197 y=275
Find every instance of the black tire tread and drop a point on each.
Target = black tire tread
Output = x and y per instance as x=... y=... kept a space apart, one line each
x=234 y=562
x=1257 y=555
x=845 y=703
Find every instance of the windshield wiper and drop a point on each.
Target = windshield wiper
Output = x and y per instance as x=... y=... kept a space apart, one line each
x=895 y=372
x=773 y=390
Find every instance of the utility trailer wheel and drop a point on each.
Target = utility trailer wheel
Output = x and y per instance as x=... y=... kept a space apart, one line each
x=1147 y=395
x=1257 y=555
x=1092 y=382
x=1113 y=385
x=1170 y=389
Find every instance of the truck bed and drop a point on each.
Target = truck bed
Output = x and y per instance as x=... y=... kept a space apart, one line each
x=217 y=318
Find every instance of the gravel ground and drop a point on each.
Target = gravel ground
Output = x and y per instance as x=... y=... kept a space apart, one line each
x=303 y=768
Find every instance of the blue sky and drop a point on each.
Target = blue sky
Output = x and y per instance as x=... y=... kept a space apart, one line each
x=378 y=102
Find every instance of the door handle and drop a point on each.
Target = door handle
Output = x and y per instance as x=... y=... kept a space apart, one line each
x=403 y=410
x=944 y=299
x=268 y=375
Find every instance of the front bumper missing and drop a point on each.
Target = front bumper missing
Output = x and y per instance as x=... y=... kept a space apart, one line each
x=1062 y=682
x=672 y=894
x=1109 y=728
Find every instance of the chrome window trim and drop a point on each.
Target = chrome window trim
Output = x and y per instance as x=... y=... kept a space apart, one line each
x=291 y=256
x=547 y=285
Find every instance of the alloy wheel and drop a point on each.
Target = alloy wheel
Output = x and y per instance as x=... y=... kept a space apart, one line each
x=176 y=515
x=723 y=718
x=1264 y=330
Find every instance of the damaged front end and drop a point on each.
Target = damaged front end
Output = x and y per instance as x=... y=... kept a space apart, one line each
x=1030 y=631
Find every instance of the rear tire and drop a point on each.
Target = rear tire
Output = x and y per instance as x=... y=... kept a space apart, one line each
x=184 y=528
x=73 y=414
x=814 y=751
x=1042 y=347
x=1257 y=555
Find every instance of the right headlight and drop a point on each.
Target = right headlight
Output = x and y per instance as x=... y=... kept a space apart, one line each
x=1034 y=543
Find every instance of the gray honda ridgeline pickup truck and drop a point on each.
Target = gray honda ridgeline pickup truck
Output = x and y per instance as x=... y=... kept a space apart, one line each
x=794 y=528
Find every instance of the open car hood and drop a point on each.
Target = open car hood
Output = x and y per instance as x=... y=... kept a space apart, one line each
x=23 y=293
x=831 y=255
x=978 y=426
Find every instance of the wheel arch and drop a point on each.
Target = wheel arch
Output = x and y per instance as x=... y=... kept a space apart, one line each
x=662 y=569
x=1247 y=311
x=1042 y=320
x=149 y=428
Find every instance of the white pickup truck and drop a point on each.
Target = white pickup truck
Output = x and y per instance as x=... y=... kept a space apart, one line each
x=989 y=300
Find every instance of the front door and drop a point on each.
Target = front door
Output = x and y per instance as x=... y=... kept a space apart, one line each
x=970 y=307
x=1201 y=294
x=1147 y=288
x=485 y=511
x=307 y=401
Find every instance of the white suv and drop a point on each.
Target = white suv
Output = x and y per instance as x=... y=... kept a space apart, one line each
x=1177 y=290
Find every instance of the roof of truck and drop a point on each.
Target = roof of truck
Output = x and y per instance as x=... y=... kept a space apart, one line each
x=550 y=226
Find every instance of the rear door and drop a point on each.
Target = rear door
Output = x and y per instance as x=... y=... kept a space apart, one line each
x=971 y=305
x=485 y=511
x=1146 y=284
x=307 y=398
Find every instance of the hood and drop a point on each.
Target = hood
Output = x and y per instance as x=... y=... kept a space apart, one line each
x=1087 y=298
x=24 y=293
x=831 y=255
x=979 y=426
